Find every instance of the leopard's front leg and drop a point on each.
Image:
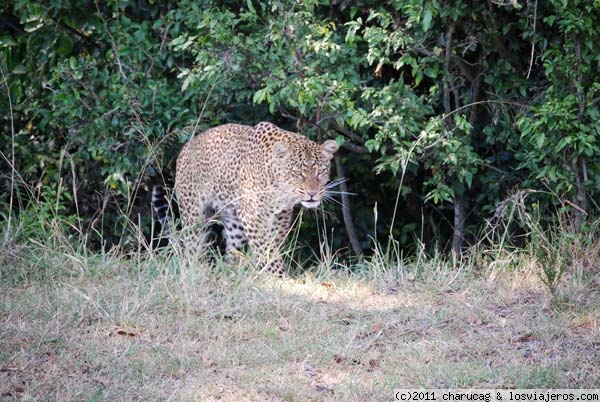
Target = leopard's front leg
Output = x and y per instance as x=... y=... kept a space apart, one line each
x=266 y=231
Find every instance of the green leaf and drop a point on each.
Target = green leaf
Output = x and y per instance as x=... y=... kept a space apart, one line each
x=540 y=140
x=64 y=45
x=7 y=41
x=418 y=77
x=250 y=6
x=563 y=143
x=261 y=95
x=427 y=19
x=19 y=69
x=468 y=176
x=431 y=73
x=187 y=81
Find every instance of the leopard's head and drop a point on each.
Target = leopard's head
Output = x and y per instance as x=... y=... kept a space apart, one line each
x=304 y=170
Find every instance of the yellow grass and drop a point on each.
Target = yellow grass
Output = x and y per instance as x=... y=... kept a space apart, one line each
x=107 y=328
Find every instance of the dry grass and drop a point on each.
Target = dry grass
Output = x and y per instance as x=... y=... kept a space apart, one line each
x=105 y=328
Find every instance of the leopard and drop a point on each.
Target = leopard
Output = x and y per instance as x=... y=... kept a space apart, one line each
x=250 y=179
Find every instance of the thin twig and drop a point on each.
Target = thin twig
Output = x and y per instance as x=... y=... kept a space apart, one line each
x=12 y=149
x=533 y=39
x=112 y=44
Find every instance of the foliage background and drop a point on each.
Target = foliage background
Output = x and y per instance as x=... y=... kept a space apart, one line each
x=444 y=109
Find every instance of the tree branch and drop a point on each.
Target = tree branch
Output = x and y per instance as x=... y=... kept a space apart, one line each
x=359 y=149
x=446 y=80
x=347 y=133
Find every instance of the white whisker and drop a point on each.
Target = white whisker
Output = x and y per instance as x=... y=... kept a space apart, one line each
x=335 y=183
x=340 y=192
x=327 y=198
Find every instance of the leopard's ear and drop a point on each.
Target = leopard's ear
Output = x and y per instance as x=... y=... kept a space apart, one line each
x=328 y=148
x=280 y=149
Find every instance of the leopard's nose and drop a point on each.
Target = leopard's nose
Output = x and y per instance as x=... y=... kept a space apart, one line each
x=311 y=194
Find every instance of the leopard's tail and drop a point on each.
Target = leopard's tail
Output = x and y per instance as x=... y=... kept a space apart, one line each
x=161 y=209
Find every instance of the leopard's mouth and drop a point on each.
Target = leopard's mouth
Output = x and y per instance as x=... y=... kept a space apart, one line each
x=310 y=203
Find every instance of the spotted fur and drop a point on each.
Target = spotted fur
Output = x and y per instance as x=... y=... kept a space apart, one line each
x=250 y=178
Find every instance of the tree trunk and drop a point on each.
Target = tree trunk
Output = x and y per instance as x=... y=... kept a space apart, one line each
x=459 y=202
x=346 y=213
x=579 y=166
x=459 y=225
